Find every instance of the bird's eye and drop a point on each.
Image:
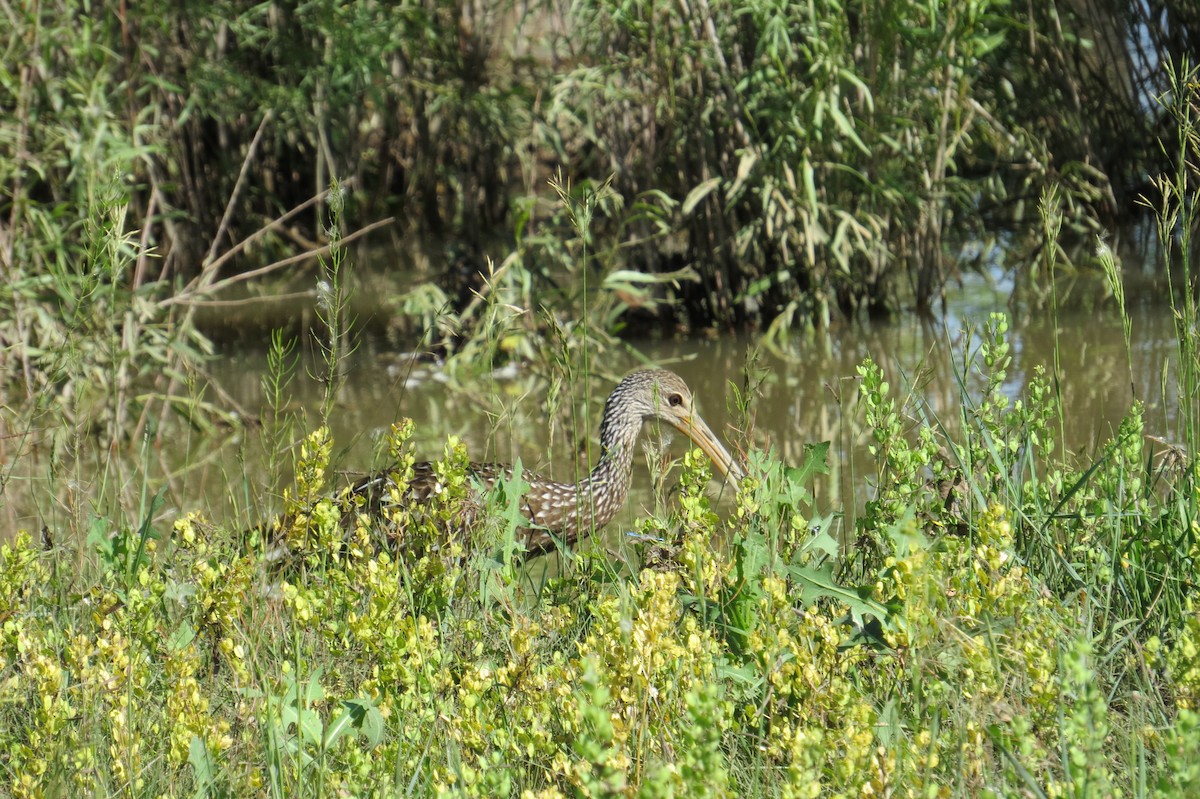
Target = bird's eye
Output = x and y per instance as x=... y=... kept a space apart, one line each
x=675 y=400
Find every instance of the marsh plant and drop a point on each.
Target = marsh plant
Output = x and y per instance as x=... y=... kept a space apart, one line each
x=802 y=160
x=1037 y=636
x=1003 y=618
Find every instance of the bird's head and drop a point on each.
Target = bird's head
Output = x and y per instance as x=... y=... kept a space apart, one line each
x=662 y=394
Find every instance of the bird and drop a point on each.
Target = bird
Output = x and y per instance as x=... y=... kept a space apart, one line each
x=556 y=512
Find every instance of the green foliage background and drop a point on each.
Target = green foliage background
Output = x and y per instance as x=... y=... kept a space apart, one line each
x=803 y=160
x=1001 y=621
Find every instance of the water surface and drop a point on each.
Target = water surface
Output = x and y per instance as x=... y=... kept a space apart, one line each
x=807 y=394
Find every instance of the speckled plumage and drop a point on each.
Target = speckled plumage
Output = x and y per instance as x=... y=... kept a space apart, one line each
x=565 y=510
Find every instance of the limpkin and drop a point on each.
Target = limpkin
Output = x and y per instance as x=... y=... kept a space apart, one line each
x=562 y=511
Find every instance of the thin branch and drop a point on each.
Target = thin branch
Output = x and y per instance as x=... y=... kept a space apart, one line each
x=189 y=296
x=237 y=187
x=202 y=280
x=292 y=295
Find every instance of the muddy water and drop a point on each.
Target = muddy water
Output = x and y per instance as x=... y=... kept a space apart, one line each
x=808 y=390
x=808 y=394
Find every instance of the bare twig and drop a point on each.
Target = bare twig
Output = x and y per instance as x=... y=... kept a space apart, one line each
x=204 y=279
x=191 y=296
x=291 y=295
x=237 y=190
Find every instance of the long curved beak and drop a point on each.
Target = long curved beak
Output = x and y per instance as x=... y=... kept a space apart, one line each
x=695 y=428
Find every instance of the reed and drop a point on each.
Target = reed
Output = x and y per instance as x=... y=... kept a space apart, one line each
x=762 y=163
x=1005 y=618
x=741 y=650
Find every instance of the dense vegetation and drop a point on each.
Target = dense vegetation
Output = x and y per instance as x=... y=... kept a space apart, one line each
x=692 y=164
x=1000 y=620
x=1006 y=624
x=800 y=160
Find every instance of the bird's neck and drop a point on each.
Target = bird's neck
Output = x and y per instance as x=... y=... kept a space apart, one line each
x=603 y=491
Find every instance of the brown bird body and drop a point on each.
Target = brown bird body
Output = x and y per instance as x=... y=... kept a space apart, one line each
x=562 y=511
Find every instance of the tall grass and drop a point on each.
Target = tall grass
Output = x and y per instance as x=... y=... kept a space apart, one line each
x=1008 y=621
x=1177 y=225
x=804 y=161
x=1002 y=643
x=1032 y=636
x=1111 y=539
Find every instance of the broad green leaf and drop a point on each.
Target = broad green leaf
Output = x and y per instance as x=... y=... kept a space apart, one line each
x=816 y=461
x=201 y=762
x=369 y=720
x=822 y=540
x=818 y=582
x=184 y=634
x=309 y=726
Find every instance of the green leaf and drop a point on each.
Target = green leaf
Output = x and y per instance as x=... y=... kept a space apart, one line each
x=622 y=277
x=343 y=724
x=203 y=773
x=313 y=690
x=699 y=193
x=359 y=716
x=745 y=165
x=816 y=582
x=905 y=536
x=822 y=540
x=184 y=634
x=744 y=674
x=308 y=725
x=145 y=533
x=106 y=546
x=1032 y=786
x=810 y=185
x=816 y=461
x=846 y=128
x=863 y=90
x=986 y=44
